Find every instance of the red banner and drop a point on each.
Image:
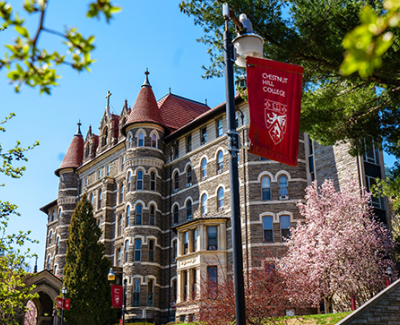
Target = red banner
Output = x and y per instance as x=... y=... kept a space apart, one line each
x=116 y=296
x=59 y=303
x=387 y=282
x=353 y=303
x=274 y=96
x=67 y=303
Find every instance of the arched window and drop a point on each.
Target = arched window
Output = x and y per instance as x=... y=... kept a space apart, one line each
x=59 y=212
x=151 y=250
x=220 y=198
x=152 y=215
x=153 y=141
x=121 y=193
x=204 y=204
x=130 y=141
x=119 y=226
x=119 y=257
x=140 y=140
x=50 y=237
x=220 y=161
x=105 y=136
x=52 y=216
x=126 y=250
x=99 y=223
x=139 y=210
x=265 y=188
x=57 y=244
x=138 y=249
x=282 y=185
x=55 y=270
x=48 y=262
x=87 y=151
x=129 y=182
x=139 y=180
x=189 y=175
x=176 y=214
x=189 y=210
x=152 y=181
x=128 y=216
x=204 y=168
x=176 y=182
x=100 y=199
x=122 y=163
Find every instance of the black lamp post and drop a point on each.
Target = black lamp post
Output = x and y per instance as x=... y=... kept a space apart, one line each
x=242 y=44
x=64 y=292
x=111 y=277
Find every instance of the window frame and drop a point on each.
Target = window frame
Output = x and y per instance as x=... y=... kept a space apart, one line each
x=153 y=141
x=283 y=186
x=189 y=176
x=266 y=221
x=189 y=210
x=220 y=128
x=203 y=135
x=152 y=181
x=139 y=214
x=139 y=180
x=136 y=292
x=140 y=140
x=204 y=168
x=220 y=161
x=138 y=250
x=152 y=250
x=189 y=143
x=266 y=190
x=152 y=219
x=284 y=232
x=220 y=201
x=212 y=241
x=204 y=204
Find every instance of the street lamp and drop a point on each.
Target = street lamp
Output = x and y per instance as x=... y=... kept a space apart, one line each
x=111 y=277
x=247 y=43
x=389 y=272
x=64 y=292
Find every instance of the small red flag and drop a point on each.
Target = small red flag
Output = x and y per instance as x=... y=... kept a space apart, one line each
x=67 y=303
x=120 y=322
x=274 y=96
x=116 y=296
x=59 y=303
x=387 y=282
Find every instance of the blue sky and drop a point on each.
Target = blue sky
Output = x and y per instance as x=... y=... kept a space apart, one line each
x=151 y=34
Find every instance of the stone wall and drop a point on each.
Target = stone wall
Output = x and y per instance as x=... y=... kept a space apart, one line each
x=382 y=309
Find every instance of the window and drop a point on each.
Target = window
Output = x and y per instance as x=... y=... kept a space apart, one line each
x=212 y=275
x=282 y=184
x=189 y=143
x=52 y=216
x=86 y=181
x=220 y=128
x=140 y=140
x=129 y=182
x=175 y=249
x=372 y=154
x=50 y=237
x=99 y=174
x=48 y=262
x=376 y=202
x=174 y=290
x=185 y=242
x=176 y=214
x=138 y=248
x=263 y=159
x=185 y=285
x=212 y=238
x=220 y=198
x=153 y=141
x=285 y=227
x=176 y=182
x=204 y=204
x=139 y=182
x=151 y=250
x=311 y=159
x=152 y=181
x=91 y=199
x=100 y=199
x=105 y=136
x=150 y=292
x=152 y=215
x=189 y=176
x=139 y=210
x=87 y=151
x=194 y=242
x=55 y=270
x=176 y=150
x=119 y=233
x=236 y=120
x=58 y=244
x=128 y=216
x=220 y=161
x=108 y=170
x=126 y=250
x=59 y=212
x=130 y=142
x=194 y=286
x=268 y=230
x=121 y=193
x=119 y=257
x=99 y=223
x=265 y=188
x=189 y=210
x=204 y=168
x=122 y=163
x=136 y=292
x=203 y=135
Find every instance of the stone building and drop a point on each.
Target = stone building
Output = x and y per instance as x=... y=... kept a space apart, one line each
x=157 y=176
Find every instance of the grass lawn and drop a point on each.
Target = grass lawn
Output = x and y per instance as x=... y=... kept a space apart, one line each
x=323 y=319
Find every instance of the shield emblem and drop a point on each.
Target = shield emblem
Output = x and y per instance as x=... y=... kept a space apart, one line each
x=275 y=115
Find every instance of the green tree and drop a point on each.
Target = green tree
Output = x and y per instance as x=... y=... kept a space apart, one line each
x=31 y=65
x=86 y=269
x=335 y=108
x=14 y=293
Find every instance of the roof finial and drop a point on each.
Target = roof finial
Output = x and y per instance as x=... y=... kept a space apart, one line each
x=146 y=80
x=78 y=132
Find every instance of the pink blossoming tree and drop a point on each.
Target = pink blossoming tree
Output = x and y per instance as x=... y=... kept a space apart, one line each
x=339 y=250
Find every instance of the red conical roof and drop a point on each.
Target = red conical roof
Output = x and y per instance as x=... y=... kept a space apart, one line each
x=145 y=108
x=74 y=156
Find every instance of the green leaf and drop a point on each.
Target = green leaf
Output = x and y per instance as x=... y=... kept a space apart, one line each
x=22 y=31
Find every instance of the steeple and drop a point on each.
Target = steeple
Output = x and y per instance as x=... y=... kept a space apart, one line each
x=145 y=108
x=74 y=156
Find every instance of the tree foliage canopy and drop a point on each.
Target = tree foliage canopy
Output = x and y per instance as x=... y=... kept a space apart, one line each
x=310 y=33
x=86 y=269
